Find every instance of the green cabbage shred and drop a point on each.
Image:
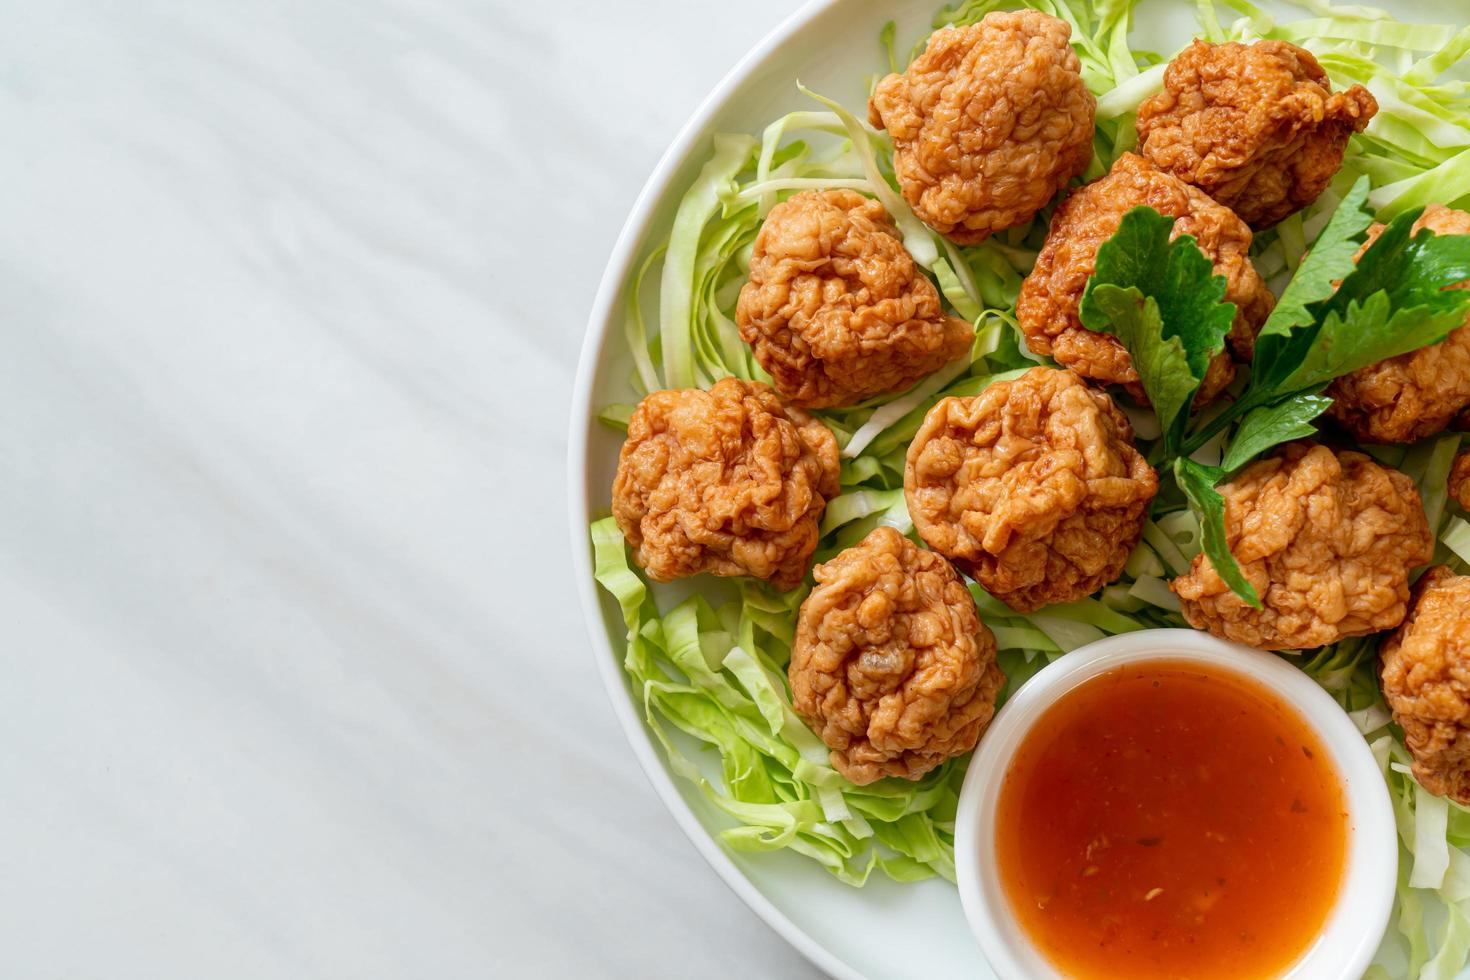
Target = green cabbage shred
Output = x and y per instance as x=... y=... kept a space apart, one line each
x=710 y=670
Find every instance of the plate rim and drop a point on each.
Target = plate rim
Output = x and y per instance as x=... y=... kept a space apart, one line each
x=579 y=426
x=582 y=422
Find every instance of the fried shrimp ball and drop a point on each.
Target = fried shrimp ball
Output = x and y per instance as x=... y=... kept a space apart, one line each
x=1460 y=480
x=1425 y=673
x=1255 y=126
x=725 y=481
x=836 y=310
x=988 y=123
x=1327 y=539
x=1032 y=487
x=1047 y=306
x=891 y=665
x=1416 y=394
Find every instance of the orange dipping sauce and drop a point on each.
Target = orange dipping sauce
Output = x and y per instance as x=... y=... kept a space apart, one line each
x=1159 y=821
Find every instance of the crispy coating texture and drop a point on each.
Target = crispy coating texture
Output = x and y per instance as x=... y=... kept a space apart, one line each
x=1050 y=294
x=725 y=481
x=1425 y=673
x=1255 y=126
x=1032 y=487
x=836 y=310
x=1460 y=480
x=988 y=123
x=891 y=665
x=1327 y=539
x=1416 y=394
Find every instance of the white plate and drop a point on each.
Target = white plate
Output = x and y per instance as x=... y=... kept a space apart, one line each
x=884 y=930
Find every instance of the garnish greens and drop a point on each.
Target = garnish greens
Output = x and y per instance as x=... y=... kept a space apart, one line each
x=1164 y=302
x=709 y=671
x=1161 y=301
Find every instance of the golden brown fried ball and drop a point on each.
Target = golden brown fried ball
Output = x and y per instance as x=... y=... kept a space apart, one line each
x=1327 y=539
x=836 y=310
x=1425 y=672
x=1416 y=394
x=1460 y=480
x=725 y=481
x=1047 y=306
x=1032 y=487
x=891 y=665
x=988 y=123
x=1255 y=126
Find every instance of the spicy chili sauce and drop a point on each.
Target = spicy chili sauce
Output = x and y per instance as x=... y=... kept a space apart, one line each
x=1159 y=821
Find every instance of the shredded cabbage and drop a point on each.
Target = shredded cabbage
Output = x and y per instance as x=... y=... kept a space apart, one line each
x=711 y=675
x=717 y=674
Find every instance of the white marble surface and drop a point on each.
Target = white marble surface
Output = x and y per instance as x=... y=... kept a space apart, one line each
x=293 y=682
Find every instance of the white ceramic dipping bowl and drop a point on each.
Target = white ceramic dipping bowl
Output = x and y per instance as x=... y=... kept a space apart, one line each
x=1365 y=898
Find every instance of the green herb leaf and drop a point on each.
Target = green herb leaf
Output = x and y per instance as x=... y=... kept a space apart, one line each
x=1198 y=483
x=1272 y=425
x=1161 y=362
x=1395 y=300
x=1176 y=274
x=1414 y=269
x=1370 y=332
x=1291 y=329
x=1329 y=262
x=1164 y=302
